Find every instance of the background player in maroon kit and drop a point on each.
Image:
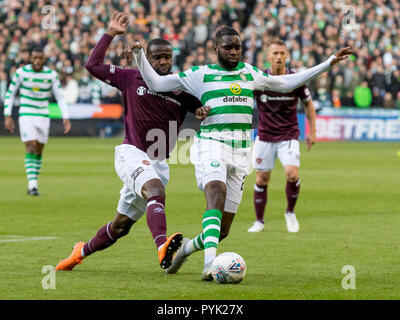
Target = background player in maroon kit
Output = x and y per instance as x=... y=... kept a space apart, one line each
x=278 y=135
x=144 y=173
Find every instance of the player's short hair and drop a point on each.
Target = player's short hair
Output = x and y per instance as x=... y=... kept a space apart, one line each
x=276 y=41
x=225 y=31
x=157 y=42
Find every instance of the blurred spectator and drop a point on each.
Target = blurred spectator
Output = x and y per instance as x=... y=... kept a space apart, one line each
x=397 y=103
x=71 y=90
x=3 y=86
x=336 y=98
x=322 y=87
x=377 y=99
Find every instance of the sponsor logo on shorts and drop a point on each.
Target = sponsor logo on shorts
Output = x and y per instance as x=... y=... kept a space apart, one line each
x=258 y=160
x=215 y=163
x=137 y=172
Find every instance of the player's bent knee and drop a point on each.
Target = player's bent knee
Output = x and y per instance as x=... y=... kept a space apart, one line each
x=30 y=147
x=263 y=177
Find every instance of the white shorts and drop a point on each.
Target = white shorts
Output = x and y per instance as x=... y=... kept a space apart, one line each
x=265 y=154
x=135 y=168
x=215 y=160
x=34 y=128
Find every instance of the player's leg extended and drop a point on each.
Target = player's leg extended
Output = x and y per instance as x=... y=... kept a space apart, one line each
x=208 y=240
x=153 y=192
x=104 y=238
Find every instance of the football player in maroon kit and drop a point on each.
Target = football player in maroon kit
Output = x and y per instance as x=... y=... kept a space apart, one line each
x=278 y=136
x=143 y=173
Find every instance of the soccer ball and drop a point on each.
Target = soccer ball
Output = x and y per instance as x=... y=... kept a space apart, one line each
x=228 y=267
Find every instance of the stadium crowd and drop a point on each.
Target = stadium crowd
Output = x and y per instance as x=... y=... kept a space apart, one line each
x=313 y=30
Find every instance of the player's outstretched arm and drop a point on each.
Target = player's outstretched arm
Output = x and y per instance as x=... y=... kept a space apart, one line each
x=287 y=83
x=153 y=80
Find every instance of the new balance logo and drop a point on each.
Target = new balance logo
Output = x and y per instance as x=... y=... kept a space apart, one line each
x=218 y=78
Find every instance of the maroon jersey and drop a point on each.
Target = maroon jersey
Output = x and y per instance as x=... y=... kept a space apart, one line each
x=277 y=120
x=145 y=110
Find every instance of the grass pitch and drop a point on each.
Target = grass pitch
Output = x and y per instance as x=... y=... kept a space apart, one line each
x=349 y=214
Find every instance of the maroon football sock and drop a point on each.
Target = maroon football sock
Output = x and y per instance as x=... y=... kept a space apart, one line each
x=156 y=219
x=260 y=201
x=104 y=238
x=292 y=193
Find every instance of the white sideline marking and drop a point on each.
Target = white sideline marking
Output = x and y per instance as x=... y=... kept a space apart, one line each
x=21 y=238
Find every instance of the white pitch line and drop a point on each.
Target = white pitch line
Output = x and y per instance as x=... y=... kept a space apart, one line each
x=18 y=238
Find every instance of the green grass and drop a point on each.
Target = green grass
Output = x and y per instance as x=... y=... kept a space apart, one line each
x=349 y=214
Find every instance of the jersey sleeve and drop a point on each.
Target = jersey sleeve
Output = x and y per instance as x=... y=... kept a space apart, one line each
x=11 y=92
x=288 y=82
x=59 y=95
x=186 y=81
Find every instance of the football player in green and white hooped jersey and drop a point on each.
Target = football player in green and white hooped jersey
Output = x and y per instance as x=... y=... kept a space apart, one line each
x=35 y=83
x=221 y=149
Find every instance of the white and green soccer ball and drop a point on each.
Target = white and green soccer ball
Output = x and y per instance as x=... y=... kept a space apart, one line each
x=228 y=267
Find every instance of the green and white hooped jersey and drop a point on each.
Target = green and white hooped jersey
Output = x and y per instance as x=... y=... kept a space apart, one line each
x=35 y=90
x=229 y=94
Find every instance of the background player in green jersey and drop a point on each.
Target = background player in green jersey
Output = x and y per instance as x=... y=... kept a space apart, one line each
x=35 y=83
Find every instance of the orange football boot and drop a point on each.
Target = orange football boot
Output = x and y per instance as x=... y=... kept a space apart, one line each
x=74 y=259
x=167 y=251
